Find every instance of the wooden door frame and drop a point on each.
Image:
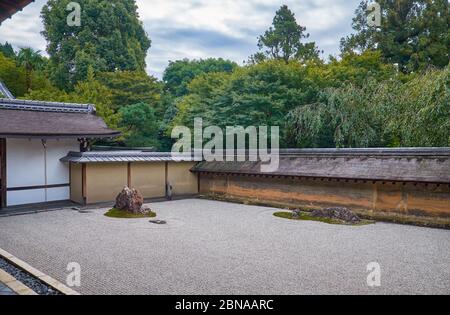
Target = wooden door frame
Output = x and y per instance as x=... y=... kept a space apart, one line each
x=3 y=189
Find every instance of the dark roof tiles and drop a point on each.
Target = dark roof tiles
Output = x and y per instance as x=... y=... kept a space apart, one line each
x=10 y=7
x=20 y=118
x=123 y=156
x=405 y=165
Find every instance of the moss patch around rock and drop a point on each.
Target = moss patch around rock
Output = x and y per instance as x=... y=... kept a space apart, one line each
x=306 y=216
x=116 y=213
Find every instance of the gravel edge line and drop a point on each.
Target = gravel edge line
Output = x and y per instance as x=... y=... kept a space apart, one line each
x=49 y=281
x=15 y=285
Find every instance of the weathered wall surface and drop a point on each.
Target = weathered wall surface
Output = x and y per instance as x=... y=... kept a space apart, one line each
x=183 y=181
x=149 y=179
x=76 y=183
x=409 y=198
x=105 y=181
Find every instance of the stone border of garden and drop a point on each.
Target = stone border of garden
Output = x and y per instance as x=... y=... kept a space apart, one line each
x=36 y=274
x=14 y=285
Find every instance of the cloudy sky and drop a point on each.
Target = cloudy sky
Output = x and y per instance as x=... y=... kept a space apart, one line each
x=206 y=28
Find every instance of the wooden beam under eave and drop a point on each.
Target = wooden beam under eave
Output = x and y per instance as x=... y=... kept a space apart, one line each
x=3 y=194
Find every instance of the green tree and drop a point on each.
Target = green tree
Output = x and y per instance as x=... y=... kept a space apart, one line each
x=388 y=113
x=200 y=101
x=417 y=113
x=7 y=50
x=30 y=60
x=132 y=87
x=170 y=112
x=352 y=68
x=110 y=38
x=13 y=76
x=90 y=91
x=414 y=34
x=140 y=125
x=49 y=94
x=343 y=117
x=283 y=40
x=180 y=73
x=255 y=95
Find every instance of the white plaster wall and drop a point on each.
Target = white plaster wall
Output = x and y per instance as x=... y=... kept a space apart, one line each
x=24 y=163
x=25 y=167
x=23 y=197
x=57 y=172
x=59 y=193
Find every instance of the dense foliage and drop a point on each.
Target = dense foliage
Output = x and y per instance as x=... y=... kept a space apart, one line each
x=111 y=37
x=384 y=89
x=179 y=74
x=388 y=113
x=414 y=34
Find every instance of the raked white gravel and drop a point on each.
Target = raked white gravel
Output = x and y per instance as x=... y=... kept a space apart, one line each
x=210 y=247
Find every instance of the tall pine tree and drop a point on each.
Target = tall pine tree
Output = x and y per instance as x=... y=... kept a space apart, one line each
x=414 y=34
x=110 y=38
x=283 y=40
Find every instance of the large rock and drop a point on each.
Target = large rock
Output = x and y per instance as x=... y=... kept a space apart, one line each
x=343 y=214
x=130 y=200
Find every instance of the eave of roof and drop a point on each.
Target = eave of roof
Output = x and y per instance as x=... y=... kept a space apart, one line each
x=10 y=7
x=60 y=136
x=43 y=106
x=5 y=91
x=36 y=119
x=427 y=165
x=123 y=157
x=419 y=165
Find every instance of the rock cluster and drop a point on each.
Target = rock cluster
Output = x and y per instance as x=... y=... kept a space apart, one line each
x=130 y=200
x=343 y=214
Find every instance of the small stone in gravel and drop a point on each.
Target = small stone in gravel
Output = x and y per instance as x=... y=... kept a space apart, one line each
x=158 y=221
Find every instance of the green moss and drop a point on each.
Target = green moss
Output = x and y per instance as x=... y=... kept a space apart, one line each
x=370 y=216
x=306 y=216
x=116 y=213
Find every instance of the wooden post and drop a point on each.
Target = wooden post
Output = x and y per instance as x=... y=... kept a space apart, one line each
x=3 y=182
x=70 y=181
x=129 y=175
x=166 y=180
x=83 y=183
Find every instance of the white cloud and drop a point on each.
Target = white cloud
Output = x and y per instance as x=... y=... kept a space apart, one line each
x=23 y=29
x=206 y=28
